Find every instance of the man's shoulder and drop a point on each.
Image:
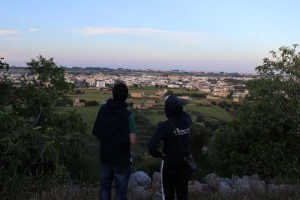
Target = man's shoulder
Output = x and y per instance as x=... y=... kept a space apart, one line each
x=103 y=106
x=163 y=124
x=131 y=114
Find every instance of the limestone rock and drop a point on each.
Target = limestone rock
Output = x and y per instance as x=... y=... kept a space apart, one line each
x=213 y=181
x=195 y=187
x=225 y=189
x=242 y=186
x=140 y=179
x=156 y=181
x=258 y=187
x=139 y=192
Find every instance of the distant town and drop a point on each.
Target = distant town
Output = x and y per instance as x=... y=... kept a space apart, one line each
x=216 y=85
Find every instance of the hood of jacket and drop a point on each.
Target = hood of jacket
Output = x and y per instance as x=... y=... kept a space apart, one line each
x=173 y=106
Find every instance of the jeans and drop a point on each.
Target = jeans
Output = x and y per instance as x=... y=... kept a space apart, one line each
x=120 y=174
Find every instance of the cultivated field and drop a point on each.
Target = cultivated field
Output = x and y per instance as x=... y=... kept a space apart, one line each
x=154 y=115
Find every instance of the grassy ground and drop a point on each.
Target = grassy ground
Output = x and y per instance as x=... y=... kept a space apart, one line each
x=92 y=95
x=154 y=115
x=146 y=90
x=211 y=111
x=91 y=193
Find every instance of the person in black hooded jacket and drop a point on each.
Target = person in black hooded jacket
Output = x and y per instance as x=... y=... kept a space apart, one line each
x=175 y=148
x=115 y=129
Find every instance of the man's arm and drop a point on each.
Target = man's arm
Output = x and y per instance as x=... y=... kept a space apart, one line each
x=132 y=138
x=132 y=130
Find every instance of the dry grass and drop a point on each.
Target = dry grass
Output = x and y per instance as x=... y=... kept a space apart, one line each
x=91 y=193
x=69 y=193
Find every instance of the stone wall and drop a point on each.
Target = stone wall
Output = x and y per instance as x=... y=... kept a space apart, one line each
x=142 y=186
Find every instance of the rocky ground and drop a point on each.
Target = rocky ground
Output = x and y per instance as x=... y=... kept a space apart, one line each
x=143 y=187
x=215 y=187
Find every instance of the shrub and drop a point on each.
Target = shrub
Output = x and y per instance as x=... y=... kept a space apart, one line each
x=264 y=137
x=91 y=103
x=35 y=141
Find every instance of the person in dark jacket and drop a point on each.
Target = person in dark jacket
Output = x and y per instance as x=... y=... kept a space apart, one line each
x=175 y=148
x=115 y=129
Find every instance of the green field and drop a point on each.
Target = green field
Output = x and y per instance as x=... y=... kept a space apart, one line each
x=146 y=90
x=211 y=111
x=146 y=123
x=100 y=95
x=158 y=115
x=154 y=115
x=92 y=95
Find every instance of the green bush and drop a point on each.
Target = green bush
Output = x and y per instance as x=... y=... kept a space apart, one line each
x=37 y=144
x=91 y=103
x=264 y=137
x=200 y=118
x=199 y=138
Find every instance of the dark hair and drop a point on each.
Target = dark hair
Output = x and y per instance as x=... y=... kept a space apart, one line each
x=120 y=92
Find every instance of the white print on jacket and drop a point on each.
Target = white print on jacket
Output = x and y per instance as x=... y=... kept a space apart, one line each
x=178 y=131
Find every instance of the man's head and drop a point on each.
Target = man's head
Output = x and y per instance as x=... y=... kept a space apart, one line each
x=173 y=106
x=120 y=92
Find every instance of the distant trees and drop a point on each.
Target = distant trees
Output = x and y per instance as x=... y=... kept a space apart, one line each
x=3 y=65
x=169 y=92
x=192 y=94
x=233 y=81
x=264 y=137
x=5 y=85
x=37 y=144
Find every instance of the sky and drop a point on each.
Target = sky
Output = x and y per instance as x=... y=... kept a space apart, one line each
x=193 y=35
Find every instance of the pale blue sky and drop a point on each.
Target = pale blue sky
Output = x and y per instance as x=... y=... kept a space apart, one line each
x=204 y=35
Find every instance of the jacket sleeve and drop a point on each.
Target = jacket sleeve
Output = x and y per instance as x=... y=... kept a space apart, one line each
x=154 y=142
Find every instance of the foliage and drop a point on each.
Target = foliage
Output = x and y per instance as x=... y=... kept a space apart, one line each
x=169 y=92
x=194 y=94
x=200 y=118
x=3 y=65
x=234 y=81
x=36 y=141
x=210 y=111
x=141 y=158
x=199 y=138
x=183 y=101
x=201 y=132
x=91 y=103
x=264 y=137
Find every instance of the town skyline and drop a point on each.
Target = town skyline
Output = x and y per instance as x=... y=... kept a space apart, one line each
x=231 y=36
x=96 y=69
x=215 y=86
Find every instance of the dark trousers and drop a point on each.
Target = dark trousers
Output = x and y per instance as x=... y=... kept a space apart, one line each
x=175 y=180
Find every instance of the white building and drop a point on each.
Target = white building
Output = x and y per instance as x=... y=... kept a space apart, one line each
x=100 y=84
